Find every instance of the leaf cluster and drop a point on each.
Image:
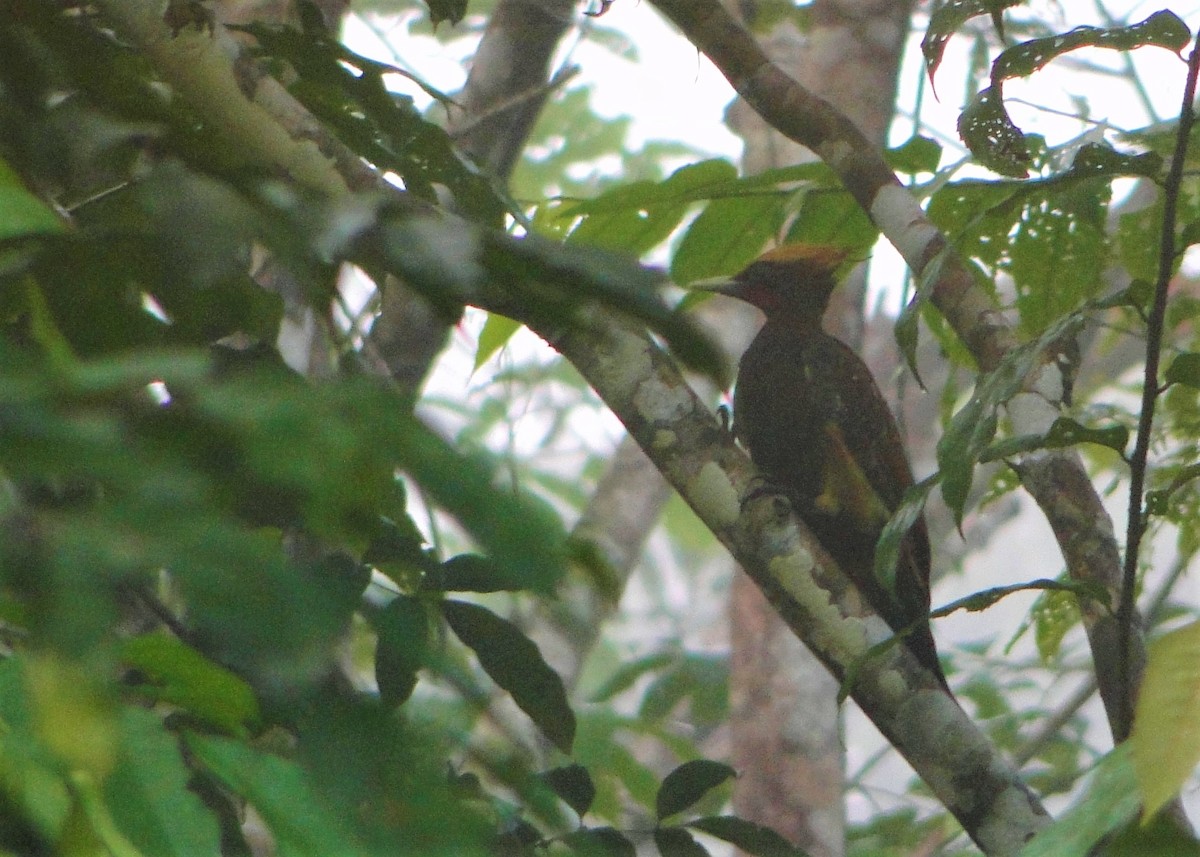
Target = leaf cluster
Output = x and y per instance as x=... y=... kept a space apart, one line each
x=190 y=529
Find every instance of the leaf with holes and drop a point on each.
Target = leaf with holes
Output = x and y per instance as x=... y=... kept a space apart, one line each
x=992 y=136
x=948 y=18
x=1068 y=432
x=1163 y=29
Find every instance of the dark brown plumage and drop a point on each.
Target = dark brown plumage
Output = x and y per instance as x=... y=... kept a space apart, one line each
x=813 y=420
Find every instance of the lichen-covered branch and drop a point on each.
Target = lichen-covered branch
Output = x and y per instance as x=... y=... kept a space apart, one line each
x=699 y=458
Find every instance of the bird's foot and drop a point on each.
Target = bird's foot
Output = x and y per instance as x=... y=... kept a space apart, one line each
x=761 y=486
x=725 y=418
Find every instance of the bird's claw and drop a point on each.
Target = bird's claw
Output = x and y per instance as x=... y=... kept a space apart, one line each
x=761 y=486
x=725 y=418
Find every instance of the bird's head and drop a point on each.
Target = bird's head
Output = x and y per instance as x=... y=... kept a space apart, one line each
x=795 y=279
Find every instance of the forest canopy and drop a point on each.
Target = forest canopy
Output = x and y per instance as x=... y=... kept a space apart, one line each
x=265 y=589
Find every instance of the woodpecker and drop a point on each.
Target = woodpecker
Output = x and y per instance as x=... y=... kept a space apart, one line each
x=814 y=422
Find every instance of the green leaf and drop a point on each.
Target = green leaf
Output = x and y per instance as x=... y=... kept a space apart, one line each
x=1139 y=237
x=1162 y=29
x=629 y=672
x=349 y=93
x=982 y=600
x=946 y=20
x=769 y=14
x=638 y=217
x=665 y=692
x=402 y=629
x=574 y=785
x=398 y=550
x=1054 y=614
x=969 y=435
x=1189 y=235
x=1111 y=801
x=687 y=784
x=497 y=330
x=702 y=679
x=961 y=445
x=515 y=664
x=1067 y=432
x=178 y=674
x=907 y=327
x=747 y=836
x=550 y=158
x=992 y=137
x=985 y=125
x=677 y=842
x=1160 y=836
x=599 y=842
x=518 y=532
x=1102 y=160
x=148 y=796
x=976 y=212
x=1063 y=432
x=472 y=573
x=22 y=213
x=832 y=216
x=300 y=821
x=727 y=235
x=1166 y=733
x=553 y=282
x=887 y=549
x=36 y=789
x=1185 y=369
x=580 y=273
x=1058 y=254
x=916 y=155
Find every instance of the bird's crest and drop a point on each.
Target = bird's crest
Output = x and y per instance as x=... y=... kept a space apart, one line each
x=822 y=256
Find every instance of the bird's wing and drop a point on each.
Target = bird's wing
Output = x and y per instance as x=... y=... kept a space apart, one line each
x=845 y=488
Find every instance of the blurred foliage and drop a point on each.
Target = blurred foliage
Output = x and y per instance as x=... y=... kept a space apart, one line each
x=189 y=529
x=224 y=584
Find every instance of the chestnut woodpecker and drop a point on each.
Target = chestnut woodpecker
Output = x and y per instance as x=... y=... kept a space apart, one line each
x=814 y=422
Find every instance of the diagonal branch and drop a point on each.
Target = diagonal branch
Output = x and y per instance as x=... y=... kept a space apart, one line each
x=645 y=390
x=1056 y=479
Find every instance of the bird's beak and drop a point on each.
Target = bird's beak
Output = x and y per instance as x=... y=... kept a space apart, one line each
x=720 y=285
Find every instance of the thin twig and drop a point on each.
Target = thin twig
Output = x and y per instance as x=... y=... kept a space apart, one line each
x=1150 y=389
x=1051 y=727
x=557 y=82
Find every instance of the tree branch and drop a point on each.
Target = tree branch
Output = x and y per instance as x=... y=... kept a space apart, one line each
x=815 y=599
x=1080 y=522
x=1128 y=664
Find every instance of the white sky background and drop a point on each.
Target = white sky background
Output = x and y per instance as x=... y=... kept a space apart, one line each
x=672 y=92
